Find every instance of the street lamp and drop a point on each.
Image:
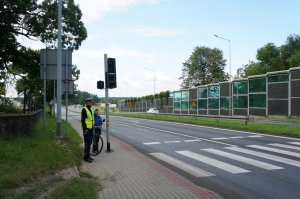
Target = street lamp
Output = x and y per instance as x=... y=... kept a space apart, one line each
x=153 y=70
x=230 y=94
x=229 y=54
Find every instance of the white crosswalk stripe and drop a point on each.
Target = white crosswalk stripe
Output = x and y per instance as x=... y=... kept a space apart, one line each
x=215 y=163
x=285 y=146
x=195 y=171
x=290 y=153
x=266 y=156
x=244 y=159
x=296 y=143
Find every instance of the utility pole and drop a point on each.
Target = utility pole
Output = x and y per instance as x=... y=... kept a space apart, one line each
x=58 y=123
x=106 y=105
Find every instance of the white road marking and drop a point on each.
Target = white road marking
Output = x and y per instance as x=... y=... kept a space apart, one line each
x=255 y=136
x=151 y=143
x=195 y=171
x=237 y=137
x=215 y=163
x=221 y=138
x=174 y=133
x=296 y=143
x=229 y=130
x=192 y=140
x=250 y=161
x=285 y=146
x=266 y=156
x=175 y=141
x=290 y=153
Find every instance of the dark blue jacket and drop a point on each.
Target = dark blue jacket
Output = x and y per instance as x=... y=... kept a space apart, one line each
x=98 y=120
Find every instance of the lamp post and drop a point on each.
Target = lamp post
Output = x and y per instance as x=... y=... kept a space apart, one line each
x=230 y=94
x=59 y=89
x=229 y=54
x=153 y=70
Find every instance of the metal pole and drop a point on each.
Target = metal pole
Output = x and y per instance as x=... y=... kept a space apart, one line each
x=106 y=105
x=67 y=90
x=154 y=105
x=58 y=124
x=289 y=94
x=45 y=92
x=231 y=98
x=230 y=90
x=54 y=99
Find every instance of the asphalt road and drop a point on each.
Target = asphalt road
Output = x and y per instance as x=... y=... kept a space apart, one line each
x=234 y=164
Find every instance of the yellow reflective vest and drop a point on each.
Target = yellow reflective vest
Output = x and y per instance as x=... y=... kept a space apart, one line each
x=89 y=121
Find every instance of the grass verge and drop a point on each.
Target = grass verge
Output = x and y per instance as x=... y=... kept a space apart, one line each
x=76 y=189
x=275 y=129
x=26 y=160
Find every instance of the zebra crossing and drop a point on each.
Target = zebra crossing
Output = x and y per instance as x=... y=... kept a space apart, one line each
x=271 y=157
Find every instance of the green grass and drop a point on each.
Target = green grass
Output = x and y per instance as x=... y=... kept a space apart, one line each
x=275 y=129
x=28 y=158
x=77 y=188
x=280 y=119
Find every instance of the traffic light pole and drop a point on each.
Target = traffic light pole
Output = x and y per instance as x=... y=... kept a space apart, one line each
x=106 y=104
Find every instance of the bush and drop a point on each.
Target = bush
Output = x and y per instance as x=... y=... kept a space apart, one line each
x=7 y=106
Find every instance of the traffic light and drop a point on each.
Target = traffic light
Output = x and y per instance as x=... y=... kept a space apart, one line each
x=111 y=73
x=100 y=84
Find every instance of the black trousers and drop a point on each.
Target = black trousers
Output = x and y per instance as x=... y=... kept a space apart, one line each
x=87 y=143
x=96 y=139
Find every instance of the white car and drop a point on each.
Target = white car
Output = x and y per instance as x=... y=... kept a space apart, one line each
x=153 y=110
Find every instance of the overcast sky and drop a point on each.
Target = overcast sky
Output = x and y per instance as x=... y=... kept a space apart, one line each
x=158 y=35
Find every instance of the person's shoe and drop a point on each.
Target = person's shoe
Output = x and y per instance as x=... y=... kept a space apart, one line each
x=88 y=160
x=91 y=158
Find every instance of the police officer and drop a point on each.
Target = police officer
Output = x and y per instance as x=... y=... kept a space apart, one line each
x=87 y=121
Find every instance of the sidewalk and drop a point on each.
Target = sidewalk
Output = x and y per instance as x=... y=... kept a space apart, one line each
x=127 y=173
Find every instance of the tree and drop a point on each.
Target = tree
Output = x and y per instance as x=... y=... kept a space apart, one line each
x=80 y=97
x=290 y=51
x=204 y=66
x=272 y=58
x=36 y=21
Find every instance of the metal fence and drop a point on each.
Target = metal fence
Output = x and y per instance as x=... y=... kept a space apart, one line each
x=274 y=93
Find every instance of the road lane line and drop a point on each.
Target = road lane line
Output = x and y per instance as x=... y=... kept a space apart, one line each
x=266 y=156
x=296 y=143
x=212 y=162
x=222 y=138
x=285 y=146
x=249 y=161
x=169 y=142
x=290 y=153
x=195 y=171
x=192 y=140
x=255 y=136
x=174 y=133
x=151 y=143
x=237 y=137
x=222 y=129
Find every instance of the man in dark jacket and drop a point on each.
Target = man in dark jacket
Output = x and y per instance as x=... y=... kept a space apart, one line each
x=87 y=122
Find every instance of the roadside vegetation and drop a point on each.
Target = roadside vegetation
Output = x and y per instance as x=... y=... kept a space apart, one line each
x=28 y=165
x=269 y=128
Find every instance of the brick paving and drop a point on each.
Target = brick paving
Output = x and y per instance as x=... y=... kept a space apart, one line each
x=127 y=173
